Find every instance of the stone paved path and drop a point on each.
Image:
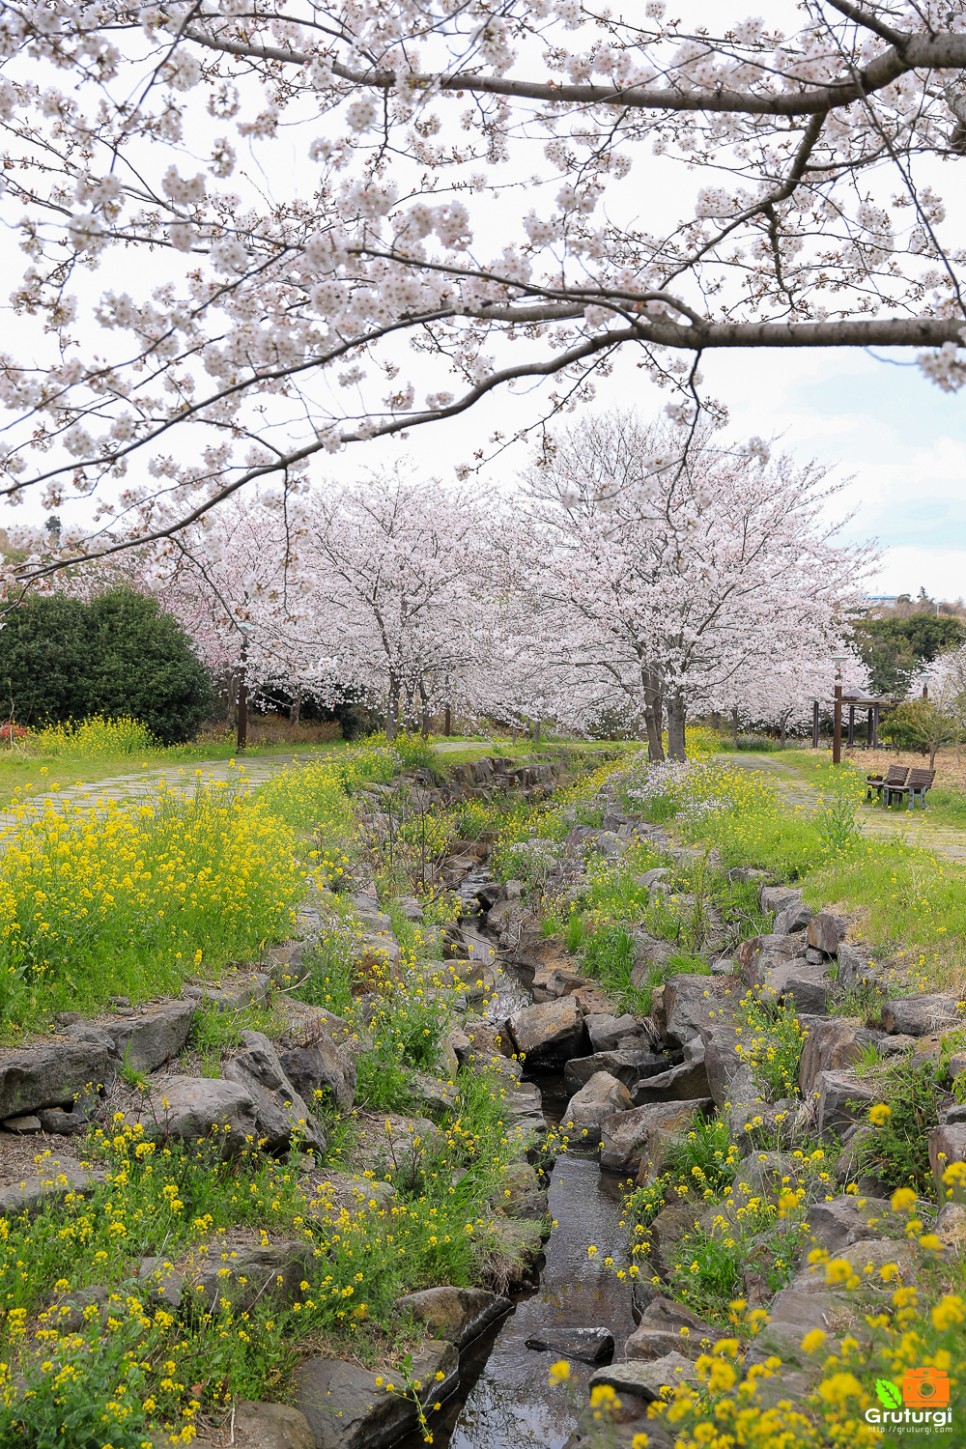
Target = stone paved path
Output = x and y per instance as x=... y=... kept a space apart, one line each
x=183 y=779
x=912 y=825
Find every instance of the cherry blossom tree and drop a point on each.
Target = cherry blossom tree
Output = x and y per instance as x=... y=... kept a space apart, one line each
x=400 y=594
x=673 y=580
x=777 y=690
x=256 y=231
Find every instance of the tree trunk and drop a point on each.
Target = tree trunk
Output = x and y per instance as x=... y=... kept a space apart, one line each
x=392 y=711
x=783 y=730
x=734 y=726
x=653 y=716
x=676 y=713
x=425 y=715
x=295 y=708
x=536 y=732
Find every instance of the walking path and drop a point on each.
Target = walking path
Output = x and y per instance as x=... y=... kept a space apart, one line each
x=914 y=826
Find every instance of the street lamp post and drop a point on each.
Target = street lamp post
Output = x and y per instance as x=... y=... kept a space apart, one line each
x=837 y=716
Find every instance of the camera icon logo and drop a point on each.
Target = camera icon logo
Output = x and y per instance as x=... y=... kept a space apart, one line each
x=925 y=1388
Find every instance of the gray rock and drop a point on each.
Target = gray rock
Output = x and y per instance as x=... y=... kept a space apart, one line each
x=154 y=1035
x=586 y=1345
x=641 y=1137
x=666 y=1327
x=22 y=1126
x=280 y=1112
x=791 y=918
x=525 y=1107
x=759 y=954
x=690 y=1003
x=920 y=1015
x=521 y=1193
x=188 y=1108
x=627 y=1065
x=607 y=1033
x=61 y=1123
x=245 y=1275
x=485 y=1039
x=824 y=932
x=321 y=1067
x=554 y=980
x=854 y=969
x=842 y=1100
x=602 y=1096
x=346 y=1409
x=947 y=1144
x=456 y=1314
x=270 y=1426
x=649 y=951
x=777 y=898
x=164 y=1284
x=646 y=1380
x=51 y=1074
x=548 y=1033
x=682 y=1083
x=845 y=1220
x=722 y=1062
x=32 y=1193
x=806 y=984
x=831 y=1046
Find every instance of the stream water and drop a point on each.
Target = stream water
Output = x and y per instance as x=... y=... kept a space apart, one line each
x=505 y=1399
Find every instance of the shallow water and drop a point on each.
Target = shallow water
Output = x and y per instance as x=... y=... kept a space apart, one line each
x=511 y=1404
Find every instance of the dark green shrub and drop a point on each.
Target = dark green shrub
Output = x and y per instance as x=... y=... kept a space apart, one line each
x=63 y=659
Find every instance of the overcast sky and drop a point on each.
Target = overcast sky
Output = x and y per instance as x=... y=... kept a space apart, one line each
x=902 y=439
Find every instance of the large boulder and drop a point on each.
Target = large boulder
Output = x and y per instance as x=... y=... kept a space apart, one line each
x=840 y=1221
x=777 y=898
x=646 y=1380
x=722 y=1059
x=805 y=983
x=318 y=1069
x=689 y=1004
x=153 y=1035
x=947 y=1144
x=30 y=1194
x=681 y=1083
x=585 y=1345
x=548 y=1033
x=456 y=1314
x=610 y=1033
x=52 y=1073
x=793 y=917
x=628 y=1066
x=555 y=979
x=666 y=1326
x=842 y=1100
x=244 y=1274
x=191 y=1109
x=281 y=1113
x=347 y=1409
x=601 y=1097
x=831 y=1046
x=269 y=1426
x=640 y=1139
x=521 y=1194
x=920 y=1015
x=824 y=932
x=760 y=954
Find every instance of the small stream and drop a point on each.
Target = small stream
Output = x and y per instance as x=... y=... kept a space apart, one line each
x=505 y=1399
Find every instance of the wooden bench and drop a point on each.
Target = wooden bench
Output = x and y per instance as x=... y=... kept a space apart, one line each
x=914 y=789
x=895 y=777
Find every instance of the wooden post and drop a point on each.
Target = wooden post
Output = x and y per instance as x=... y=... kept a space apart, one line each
x=815 y=711
x=875 y=726
x=837 y=724
x=869 y=734
x=851 y=725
